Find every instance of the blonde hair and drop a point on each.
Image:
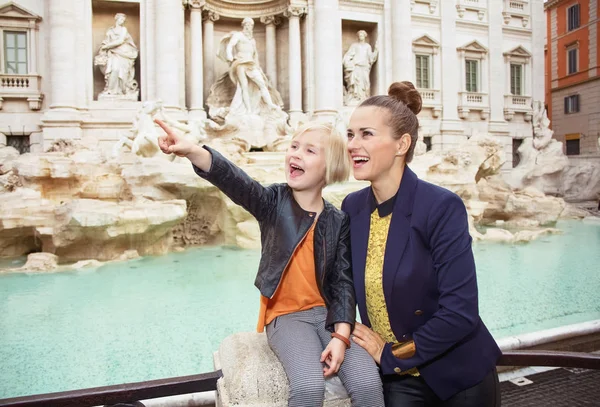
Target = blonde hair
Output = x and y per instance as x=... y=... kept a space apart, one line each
x=337 y=164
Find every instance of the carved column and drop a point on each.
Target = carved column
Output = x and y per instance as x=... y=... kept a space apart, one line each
x=498 y=67
x=295 y=62
x=328 y=59
x=196 y=61
x=538 y=19
x=169 y=17
x=271 y=47
x=61 y=25
x=451 y=128
x=209 y=50
x=401 y=40
x=62 y=119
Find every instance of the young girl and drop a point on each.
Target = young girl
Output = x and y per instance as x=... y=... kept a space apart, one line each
x=304 y=275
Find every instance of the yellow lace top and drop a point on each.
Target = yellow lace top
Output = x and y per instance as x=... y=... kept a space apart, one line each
x=376 y=306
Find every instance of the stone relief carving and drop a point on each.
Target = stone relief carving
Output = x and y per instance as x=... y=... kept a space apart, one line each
x=142 y=138
x=116 y=59
x=357 y=70
x=243 y=99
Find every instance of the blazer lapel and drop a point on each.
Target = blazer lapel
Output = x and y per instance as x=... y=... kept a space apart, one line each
x=399 y=231
x=359 y=236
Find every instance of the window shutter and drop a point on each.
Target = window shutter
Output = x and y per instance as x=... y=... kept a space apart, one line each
x=566 y=105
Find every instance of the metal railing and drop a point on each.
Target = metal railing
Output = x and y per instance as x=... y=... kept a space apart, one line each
x=132 y=392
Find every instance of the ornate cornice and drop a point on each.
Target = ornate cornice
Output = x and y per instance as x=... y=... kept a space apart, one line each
x=249 y=8
x=196 y=4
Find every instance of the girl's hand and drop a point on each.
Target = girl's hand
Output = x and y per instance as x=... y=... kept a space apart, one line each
x=369 y=340
x=333 y=356
x=172 y=143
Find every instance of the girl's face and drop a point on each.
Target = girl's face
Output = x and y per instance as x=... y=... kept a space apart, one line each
x=373 y=149
x=305 y=162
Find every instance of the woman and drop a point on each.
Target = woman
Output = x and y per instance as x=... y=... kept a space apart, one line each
x=414 y=271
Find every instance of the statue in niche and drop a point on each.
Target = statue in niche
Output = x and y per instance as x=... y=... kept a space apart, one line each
x=357 y=62
x=116 y=59
x=242 y=103
x=542 y=160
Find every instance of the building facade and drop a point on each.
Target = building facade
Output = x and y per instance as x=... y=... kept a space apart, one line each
x=573 y=74
x=478 y=63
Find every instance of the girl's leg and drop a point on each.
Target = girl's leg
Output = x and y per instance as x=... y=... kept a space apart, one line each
x=359 y=372
x=360 y=376
x=296 y=343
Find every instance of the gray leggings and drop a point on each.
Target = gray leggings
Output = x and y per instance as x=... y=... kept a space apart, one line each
x=298 y=339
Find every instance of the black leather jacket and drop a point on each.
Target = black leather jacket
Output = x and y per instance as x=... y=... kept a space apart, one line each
x=283 y=225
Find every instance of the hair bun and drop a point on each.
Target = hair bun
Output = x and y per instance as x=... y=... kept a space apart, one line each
x=406 y=93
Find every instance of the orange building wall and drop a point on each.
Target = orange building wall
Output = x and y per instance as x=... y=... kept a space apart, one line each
x=548 y=68
x=580 y=35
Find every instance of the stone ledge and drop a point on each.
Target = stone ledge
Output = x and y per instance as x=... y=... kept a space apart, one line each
x=253 y=376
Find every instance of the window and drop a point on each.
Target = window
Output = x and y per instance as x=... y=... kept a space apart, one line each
x=21 y=143
x=516 y=143
x=572 y=55
x=15 y=52
x=572 y=147
x=427 y=141
x=573 y=17
x=572 y=104
x=516 y=79
x=472 y=73
x=423 y=67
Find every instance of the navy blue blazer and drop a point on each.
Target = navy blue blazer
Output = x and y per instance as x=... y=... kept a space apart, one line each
x=429 y=284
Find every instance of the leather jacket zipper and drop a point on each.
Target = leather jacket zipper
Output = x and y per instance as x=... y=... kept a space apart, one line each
x=290 y=259
x=322 y=285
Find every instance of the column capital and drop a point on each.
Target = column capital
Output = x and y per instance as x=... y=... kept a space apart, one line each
x=268 y=20
x=194 y=4
x=294 y=11
x=210 y=15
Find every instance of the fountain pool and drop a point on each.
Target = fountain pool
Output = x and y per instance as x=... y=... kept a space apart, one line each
x=157 y=317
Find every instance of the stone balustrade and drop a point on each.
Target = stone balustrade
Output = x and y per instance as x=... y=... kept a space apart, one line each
x=477 y=101
x=21 y=87
x=517 y=104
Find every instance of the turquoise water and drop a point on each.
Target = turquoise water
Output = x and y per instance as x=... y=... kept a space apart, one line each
x=161 y=317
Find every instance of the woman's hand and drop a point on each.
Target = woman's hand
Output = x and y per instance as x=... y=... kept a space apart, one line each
x=369 y=340
x=333 y=356
x=172 y=143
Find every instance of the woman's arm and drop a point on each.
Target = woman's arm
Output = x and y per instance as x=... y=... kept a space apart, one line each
x=458 y=313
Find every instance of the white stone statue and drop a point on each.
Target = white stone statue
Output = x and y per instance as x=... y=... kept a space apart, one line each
x=252 y=93
x=357 y=70
x=242 y=103
x=542 y=160
x=116 y=59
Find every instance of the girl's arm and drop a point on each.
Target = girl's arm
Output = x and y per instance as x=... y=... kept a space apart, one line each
x=234 y=182
x=222 y=173
x=341 y=313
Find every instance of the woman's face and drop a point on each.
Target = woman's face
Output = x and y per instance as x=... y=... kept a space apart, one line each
x=372 y=146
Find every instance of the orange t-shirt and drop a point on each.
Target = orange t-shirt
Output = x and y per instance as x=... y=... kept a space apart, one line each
x=298 y=289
